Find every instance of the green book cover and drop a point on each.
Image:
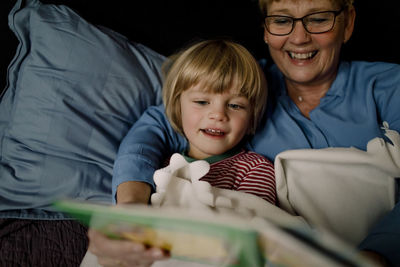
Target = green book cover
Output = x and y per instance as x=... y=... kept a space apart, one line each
x=186 y=235
x=213 y=238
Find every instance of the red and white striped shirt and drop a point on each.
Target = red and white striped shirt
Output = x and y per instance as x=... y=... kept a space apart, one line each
x=247 y=172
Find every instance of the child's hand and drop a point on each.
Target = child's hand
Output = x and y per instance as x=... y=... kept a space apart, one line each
x=122 y=253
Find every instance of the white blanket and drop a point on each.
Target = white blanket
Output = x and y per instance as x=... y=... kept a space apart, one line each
x=344 y=190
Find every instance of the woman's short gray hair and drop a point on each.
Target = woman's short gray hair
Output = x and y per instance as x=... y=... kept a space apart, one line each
x=340 y=4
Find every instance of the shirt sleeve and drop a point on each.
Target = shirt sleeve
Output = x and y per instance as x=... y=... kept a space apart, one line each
x=386 y=86
x=142 y=151
x=260 y=181
x=384 y=238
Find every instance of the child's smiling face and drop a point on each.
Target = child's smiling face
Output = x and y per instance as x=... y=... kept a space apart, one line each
x=213 y=123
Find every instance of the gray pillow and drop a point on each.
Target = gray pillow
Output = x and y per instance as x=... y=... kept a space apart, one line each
x=74 y=90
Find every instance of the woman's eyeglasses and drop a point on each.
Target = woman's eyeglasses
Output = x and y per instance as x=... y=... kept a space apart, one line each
x=318 y=22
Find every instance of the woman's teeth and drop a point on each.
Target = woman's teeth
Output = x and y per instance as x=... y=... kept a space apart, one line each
x=302 y=55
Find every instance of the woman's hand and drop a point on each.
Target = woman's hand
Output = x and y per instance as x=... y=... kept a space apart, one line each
x=122 y=253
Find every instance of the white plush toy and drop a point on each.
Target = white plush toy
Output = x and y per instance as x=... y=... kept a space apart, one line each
x=179 y=185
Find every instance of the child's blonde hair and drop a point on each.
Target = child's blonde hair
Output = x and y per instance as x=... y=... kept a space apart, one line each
x=218 y=65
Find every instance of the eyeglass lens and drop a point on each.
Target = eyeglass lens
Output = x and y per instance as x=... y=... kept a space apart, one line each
x=314 y=23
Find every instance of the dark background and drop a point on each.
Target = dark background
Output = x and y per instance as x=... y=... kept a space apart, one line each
x=167 y=25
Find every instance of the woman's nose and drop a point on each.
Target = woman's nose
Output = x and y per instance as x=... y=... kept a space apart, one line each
x=299 y=33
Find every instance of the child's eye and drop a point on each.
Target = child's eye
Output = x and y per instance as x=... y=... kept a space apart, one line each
x=235 y=106
x=201 y=102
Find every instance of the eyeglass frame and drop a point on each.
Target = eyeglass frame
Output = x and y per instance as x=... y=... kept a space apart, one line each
x=335 y=13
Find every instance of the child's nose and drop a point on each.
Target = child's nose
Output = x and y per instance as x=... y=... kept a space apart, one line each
x=218 y=114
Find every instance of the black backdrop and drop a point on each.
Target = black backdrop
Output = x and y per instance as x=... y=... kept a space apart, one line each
x=167 y=25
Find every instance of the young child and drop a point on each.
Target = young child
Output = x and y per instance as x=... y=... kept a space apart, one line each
x=214 y=94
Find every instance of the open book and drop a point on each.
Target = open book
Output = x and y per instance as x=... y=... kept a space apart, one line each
x=213 y=238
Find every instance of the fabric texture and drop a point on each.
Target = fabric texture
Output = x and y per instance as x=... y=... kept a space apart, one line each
x=42 y=243
x=378 y=240
x=74 y=90
x=343 y=190
x=362 y=97
x=245 y=172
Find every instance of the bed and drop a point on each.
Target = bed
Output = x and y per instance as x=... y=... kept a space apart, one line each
x=80 y=73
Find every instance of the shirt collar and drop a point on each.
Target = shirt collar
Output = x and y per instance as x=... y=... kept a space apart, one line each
x=337 y=88
x=234 y=151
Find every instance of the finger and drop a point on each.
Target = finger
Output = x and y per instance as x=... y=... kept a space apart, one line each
x=155 y=253
x=107 y=262
x=147 y=257
x=101 y=245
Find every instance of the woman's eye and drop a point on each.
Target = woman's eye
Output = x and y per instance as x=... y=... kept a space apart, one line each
x=317 y=20
x=282 y=21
